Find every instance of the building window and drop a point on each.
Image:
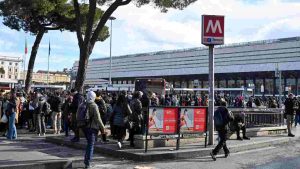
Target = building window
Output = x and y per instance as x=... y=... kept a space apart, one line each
x=10 y=63
x=231 y=84
x=222 y=83
x=259 y=86
x=205 y=84
x=16 y=70
x=16 y=77
x=16 y=64
x=291 y=85
x=2 y=63
x=269 y=86
x=1 y=76
x=240 y=83
x=9 y=76
x=9 y=69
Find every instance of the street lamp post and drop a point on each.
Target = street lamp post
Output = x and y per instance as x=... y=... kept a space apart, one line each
x=110 y=65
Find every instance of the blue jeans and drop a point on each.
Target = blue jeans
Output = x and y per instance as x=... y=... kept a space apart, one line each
x=12 y=130
x=90 y=135
x=297 y=119
x=66 y=126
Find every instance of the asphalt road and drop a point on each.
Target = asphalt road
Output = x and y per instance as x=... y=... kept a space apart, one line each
x=278 y=157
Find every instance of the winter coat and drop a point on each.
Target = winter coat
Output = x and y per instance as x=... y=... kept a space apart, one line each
x=96 y=122
x=120 y=113
x=56 y=104
x=136 y=108
x=289 y=106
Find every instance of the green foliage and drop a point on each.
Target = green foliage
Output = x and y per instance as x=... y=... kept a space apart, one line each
x=34 y=15
x=164 y=5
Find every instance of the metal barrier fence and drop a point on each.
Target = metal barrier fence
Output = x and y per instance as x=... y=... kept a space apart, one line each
x=261 y=117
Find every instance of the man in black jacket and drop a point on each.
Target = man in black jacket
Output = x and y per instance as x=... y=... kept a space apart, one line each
x=222 y=129
x=289 y=111
x=77 y=100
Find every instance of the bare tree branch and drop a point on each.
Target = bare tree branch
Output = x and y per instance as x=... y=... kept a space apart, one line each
x=78 y=22
x=104 y=19
x=90 y=21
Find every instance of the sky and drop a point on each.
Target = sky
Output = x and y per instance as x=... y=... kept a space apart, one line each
x=146 y=29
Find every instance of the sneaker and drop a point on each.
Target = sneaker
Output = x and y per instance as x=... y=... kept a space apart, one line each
x=213 y=156
x=291 y=135
x=119 y=145
x=246 y=138
x=44 y=134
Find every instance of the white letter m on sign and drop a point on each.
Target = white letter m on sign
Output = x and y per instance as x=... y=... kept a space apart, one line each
x=214 y=27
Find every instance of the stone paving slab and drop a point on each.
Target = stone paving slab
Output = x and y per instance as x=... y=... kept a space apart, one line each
x=186 y=151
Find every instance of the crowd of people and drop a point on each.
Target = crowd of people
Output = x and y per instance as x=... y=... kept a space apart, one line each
x=93 y=112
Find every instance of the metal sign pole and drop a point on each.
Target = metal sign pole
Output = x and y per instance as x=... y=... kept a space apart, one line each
x=211 y=95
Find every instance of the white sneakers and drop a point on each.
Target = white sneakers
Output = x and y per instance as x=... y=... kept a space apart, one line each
x=119 y=145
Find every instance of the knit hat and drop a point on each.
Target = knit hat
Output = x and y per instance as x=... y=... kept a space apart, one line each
x=91 y=96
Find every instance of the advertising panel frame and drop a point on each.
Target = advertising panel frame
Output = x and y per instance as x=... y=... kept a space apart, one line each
x=178 y=130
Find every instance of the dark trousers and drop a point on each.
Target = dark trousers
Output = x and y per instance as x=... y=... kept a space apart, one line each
x=238 y=129
x=222 y=142
x=90 y=135
x=297 y=119
x=120 y=133
x=66 y=126
x=135 y=130
x=40 y=124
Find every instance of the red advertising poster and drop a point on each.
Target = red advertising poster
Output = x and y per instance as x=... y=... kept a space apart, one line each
x=170 y=120
x=200 y=119
x=156 y=119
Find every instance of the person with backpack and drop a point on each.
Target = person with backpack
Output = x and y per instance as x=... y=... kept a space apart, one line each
x=40 y=114
x=88 y=118
x=222 y=117
x=103 y=110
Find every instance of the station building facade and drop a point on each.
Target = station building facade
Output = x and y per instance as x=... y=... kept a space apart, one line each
x=249 y=64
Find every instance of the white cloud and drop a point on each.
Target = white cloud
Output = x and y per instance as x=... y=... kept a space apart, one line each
x=147 y=26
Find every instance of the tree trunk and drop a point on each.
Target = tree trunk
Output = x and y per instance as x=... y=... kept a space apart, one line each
x=83 y=62
x=34 y=50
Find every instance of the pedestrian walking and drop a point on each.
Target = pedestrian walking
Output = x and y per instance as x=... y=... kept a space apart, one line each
x=92 y=127
x=222 y=117
x=120 y=116
x=289 y=113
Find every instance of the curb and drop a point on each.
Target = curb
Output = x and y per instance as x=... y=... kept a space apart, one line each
x=160 y=156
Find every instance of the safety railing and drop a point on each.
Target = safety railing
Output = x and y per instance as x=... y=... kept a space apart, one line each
x=261 y=117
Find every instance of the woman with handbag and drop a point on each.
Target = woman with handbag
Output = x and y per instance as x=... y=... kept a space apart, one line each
x=11 y=113
x=120 y=118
